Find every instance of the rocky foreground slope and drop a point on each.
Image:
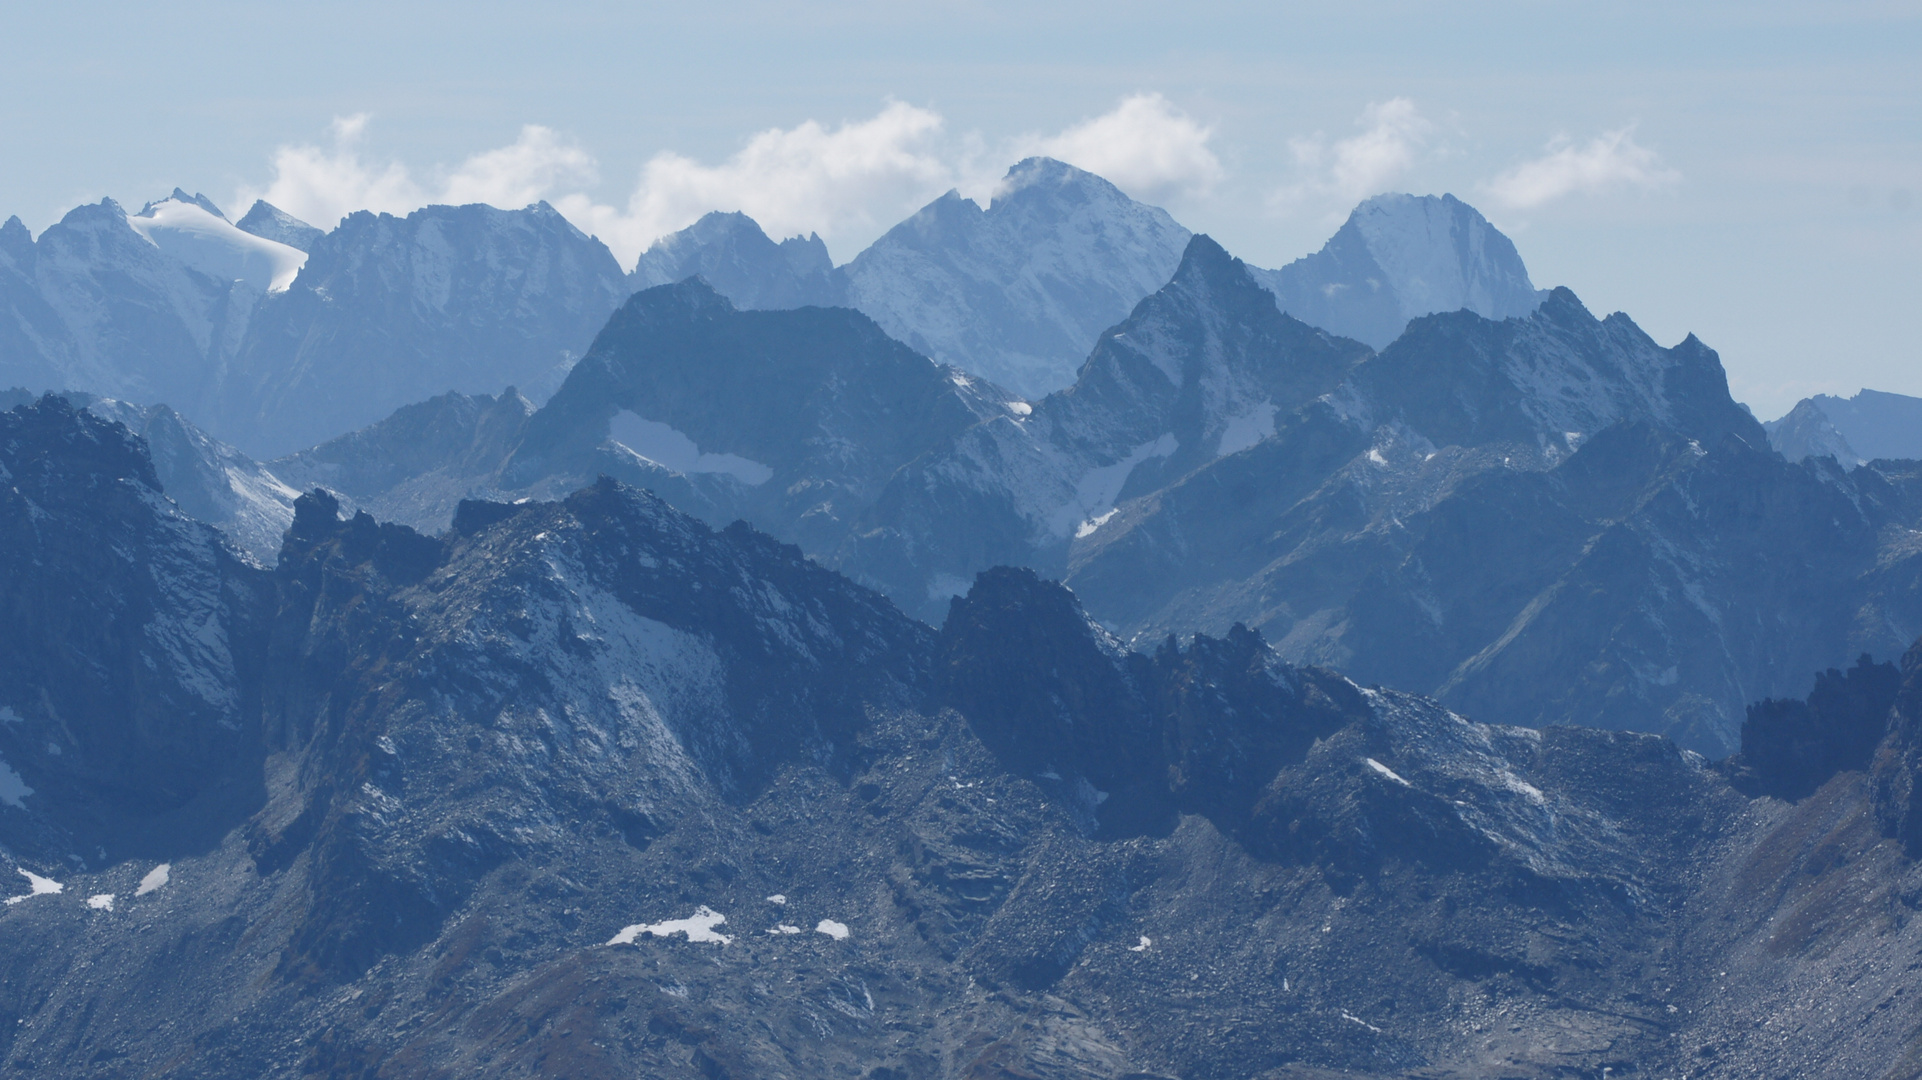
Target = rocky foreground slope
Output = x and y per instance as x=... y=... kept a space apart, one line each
x=586 y=788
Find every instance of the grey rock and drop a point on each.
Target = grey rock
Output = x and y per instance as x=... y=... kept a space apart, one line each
x=264 y=219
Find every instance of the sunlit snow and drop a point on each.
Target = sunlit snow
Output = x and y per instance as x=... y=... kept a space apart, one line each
x=216 y=247
x=835 y=930
x=1146 y=944
x=155 y=879
x=101 y=901
x=40 y=886
x=1386 y=771
x=671 y=449
x=698 y=927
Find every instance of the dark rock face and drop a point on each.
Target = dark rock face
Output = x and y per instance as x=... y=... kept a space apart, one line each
x=270 y=221
x=586 y=787
x=130 y=643
x=1791 y=747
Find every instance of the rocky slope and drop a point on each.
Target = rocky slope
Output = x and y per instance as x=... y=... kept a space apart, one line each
x=585 y=787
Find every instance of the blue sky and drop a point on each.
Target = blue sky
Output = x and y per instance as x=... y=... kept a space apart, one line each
x=1748 y=172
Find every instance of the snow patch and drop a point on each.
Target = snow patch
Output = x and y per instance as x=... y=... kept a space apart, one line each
x=1146 y=944
x=1386 y=771
x=1088 y=527
x=837 y=931
x=38 y=885
x=671 y=449
x=1245 y=429
x=1099 y=487
x=1020 y=408
x=12 y=788
x=784 y=928
x=778 y=898
x=101 y=901
x=155 y=878
x=699 y=927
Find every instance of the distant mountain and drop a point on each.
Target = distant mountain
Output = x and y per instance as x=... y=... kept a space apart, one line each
x=585 y=787
x=267 y=220
x=734 y=256
x=94 y=304
x=1400 y=257
x=1534 y=519
x=1017 y=293
x=1869 y=426
x=389 y=311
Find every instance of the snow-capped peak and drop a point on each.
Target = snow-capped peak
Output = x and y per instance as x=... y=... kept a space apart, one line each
x=193 y=230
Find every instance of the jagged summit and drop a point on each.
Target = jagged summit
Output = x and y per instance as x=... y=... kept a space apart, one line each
x=1399 y=257
x=1016 y=292
x=736 y=257
x=266 y=220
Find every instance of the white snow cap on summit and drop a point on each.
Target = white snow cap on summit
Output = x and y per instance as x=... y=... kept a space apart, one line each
x=193 y=230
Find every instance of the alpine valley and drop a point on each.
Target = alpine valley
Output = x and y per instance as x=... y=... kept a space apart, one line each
x=1043 y=646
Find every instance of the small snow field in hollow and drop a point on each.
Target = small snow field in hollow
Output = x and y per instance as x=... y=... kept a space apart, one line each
x=784 y=928
x=698 y=927
x=1387 y=772
x=777 y=899
x=1146 y=944
x=155 y=878
x=40 y=886
x=835 y=930
x=101 y=901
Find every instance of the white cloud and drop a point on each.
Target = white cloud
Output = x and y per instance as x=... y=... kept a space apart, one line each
x=322 y=185
x=525 y=172
x=853 y=179
x=848 y=182
x=1350 y=170
x=1610 y=160
x=1145 y=146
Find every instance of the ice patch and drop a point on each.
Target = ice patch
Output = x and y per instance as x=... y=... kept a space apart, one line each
x=1088 y=527
x=101 y=901
x=40 y=886
x=155 y=878
x=1386 y=771
x=1146 y=944
x=1246 y=429
x=12 y=788
x=1374 y=455
x=699 y=927
x=835 y=930
x=1353 y=1019
x=1020 y=408
x=778 y=898
x=1099 y=487
x=663 y=445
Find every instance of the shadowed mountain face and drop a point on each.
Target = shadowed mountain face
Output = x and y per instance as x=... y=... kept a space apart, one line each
x=585 y=787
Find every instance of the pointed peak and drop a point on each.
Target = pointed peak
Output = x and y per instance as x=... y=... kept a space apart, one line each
x=270 y=222
x=1044 y=176
x=15 y=235
x=180 y=196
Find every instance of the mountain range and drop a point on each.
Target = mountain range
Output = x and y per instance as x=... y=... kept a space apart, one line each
x=1044 y=646
x=255 y=327
x=585 y=787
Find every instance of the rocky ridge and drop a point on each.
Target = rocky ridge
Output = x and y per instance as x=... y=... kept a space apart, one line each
x=585 y=786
